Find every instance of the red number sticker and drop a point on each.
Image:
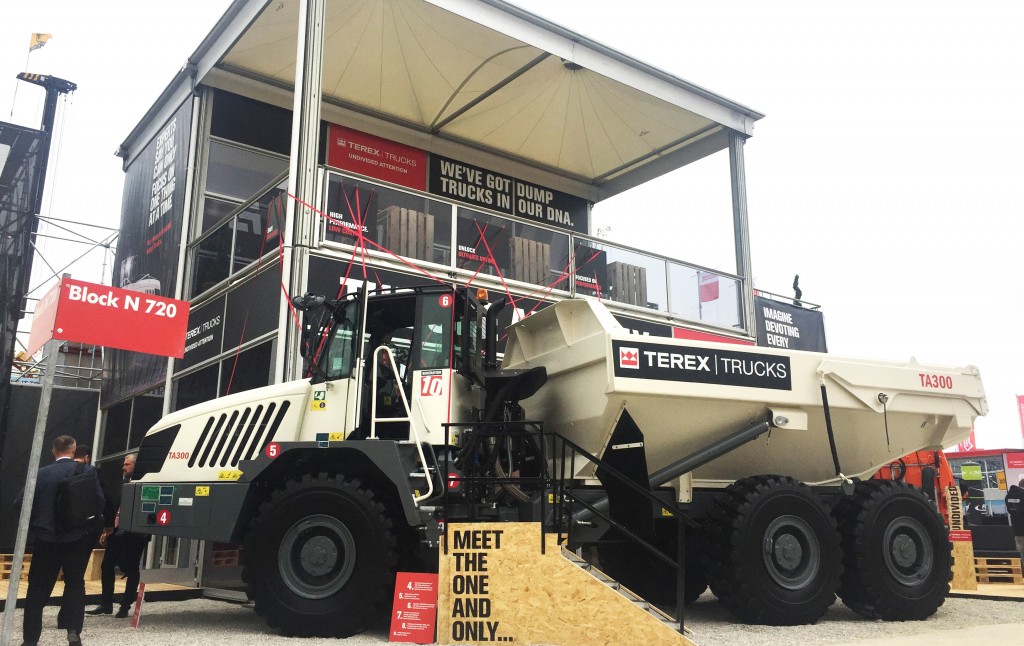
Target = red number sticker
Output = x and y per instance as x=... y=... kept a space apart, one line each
x=273 y=450
x=431 y=385
x=163 y=517
x=445 y=300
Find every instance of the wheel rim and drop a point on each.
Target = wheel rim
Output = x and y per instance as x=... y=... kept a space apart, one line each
x=907 y=551
x=791 y=552
x=316 y=556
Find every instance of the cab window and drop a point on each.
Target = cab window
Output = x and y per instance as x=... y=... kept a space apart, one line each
x=340 y=358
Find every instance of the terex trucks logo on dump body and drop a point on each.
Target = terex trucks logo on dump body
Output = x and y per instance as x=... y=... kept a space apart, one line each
x=629 y=358
x=702 y=365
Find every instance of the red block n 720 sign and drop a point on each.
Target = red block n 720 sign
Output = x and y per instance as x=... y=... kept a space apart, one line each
x=120 y=318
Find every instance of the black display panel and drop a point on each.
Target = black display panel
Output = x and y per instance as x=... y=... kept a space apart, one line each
x=485 y=188
x=152 y=210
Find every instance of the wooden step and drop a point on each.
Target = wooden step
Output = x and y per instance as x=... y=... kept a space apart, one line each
x=1006 y=562
x=998 y=570
x=7 y=565
x=1015 y=579
x=92 y=568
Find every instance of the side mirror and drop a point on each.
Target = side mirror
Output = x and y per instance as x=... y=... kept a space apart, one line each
x=308 y=302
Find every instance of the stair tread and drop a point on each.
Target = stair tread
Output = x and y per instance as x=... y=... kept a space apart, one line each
x=628 y=594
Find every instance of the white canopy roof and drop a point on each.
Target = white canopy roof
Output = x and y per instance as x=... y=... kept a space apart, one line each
x=480 y=74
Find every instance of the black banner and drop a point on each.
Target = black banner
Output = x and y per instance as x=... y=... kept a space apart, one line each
x=591 y=275
x=205 y=334
x=484 y=188
x=637 y=360
x=152 y=207
x=781 y=325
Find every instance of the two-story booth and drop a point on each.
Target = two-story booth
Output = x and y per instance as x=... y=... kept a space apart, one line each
x=318 y=145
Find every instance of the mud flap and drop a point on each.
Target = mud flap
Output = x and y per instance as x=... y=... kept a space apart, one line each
x=625 y=454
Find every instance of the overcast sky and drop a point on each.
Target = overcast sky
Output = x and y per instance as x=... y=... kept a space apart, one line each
x=887 y=170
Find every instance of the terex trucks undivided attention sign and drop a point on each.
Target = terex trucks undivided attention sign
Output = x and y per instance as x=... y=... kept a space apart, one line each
x=639 y=360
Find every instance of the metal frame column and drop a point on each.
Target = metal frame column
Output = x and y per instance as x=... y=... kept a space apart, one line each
x=302 y=168
x=741 y=227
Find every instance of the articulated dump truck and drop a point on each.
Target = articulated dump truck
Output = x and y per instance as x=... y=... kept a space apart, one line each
x=333 y=483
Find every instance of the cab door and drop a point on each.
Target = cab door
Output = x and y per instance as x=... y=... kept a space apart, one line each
x=431 y=366
x=407 y=350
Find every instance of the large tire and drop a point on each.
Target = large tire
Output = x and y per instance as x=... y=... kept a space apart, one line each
x=773 y=552
x=896 y=552
x=320 y=558
x=649 y=576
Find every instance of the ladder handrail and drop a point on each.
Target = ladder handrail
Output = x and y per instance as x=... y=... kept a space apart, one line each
x=407 y=418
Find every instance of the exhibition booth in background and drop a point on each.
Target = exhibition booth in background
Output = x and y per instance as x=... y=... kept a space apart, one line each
x=984 y=476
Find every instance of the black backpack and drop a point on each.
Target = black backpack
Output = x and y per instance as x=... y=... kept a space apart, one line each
x=76 y=501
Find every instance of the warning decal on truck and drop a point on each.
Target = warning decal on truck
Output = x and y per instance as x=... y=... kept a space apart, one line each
x=638 y=360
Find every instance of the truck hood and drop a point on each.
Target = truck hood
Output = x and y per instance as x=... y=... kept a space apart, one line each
x=290 y=389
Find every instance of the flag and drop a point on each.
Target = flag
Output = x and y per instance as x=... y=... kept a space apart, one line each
x=707 y=286
x=37 y=41
x=970 y=444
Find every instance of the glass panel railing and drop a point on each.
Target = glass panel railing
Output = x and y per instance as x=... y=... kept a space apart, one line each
x=392 y=221
x=258 y=225
x=488 y=244
x=630 y=277
x=419 y=228
x=705 y=296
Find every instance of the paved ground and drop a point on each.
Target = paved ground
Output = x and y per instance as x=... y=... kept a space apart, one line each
x=213 y=623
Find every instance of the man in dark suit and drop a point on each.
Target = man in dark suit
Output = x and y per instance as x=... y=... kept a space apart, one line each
x=123 y=550
x=83 y=454
x=57 y=548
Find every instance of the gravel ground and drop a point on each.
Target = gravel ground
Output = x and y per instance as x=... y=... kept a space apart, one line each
x=212 y=623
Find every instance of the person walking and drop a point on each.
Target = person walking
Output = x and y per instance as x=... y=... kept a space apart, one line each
x=57 y=548
x=83 y=454
x=123 y=550
x=1015 y=510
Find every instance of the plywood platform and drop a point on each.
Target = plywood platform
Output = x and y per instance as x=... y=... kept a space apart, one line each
x=994 y=591
x=154 y=591
x=495 y=585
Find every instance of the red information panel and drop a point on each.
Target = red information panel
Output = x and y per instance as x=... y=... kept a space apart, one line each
x=960 y=535
x=1015 y=460
x=120 y=318
x=414 y=611
x=372 y=156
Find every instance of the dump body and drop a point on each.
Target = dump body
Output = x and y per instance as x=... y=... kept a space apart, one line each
x=686 y=395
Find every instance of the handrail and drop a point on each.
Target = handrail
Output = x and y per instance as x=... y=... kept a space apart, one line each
x=564 y=493
x=560 y=488
x=672 y=508
x=408 y=416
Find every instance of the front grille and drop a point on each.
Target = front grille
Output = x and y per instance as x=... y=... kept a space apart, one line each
x=231 y=437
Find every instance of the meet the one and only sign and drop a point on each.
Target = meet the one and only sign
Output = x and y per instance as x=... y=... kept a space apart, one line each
x=93 y=314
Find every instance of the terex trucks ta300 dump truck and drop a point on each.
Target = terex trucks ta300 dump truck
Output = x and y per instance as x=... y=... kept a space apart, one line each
x=333 y=483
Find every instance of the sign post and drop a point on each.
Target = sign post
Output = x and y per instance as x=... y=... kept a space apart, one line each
x=21 y=539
